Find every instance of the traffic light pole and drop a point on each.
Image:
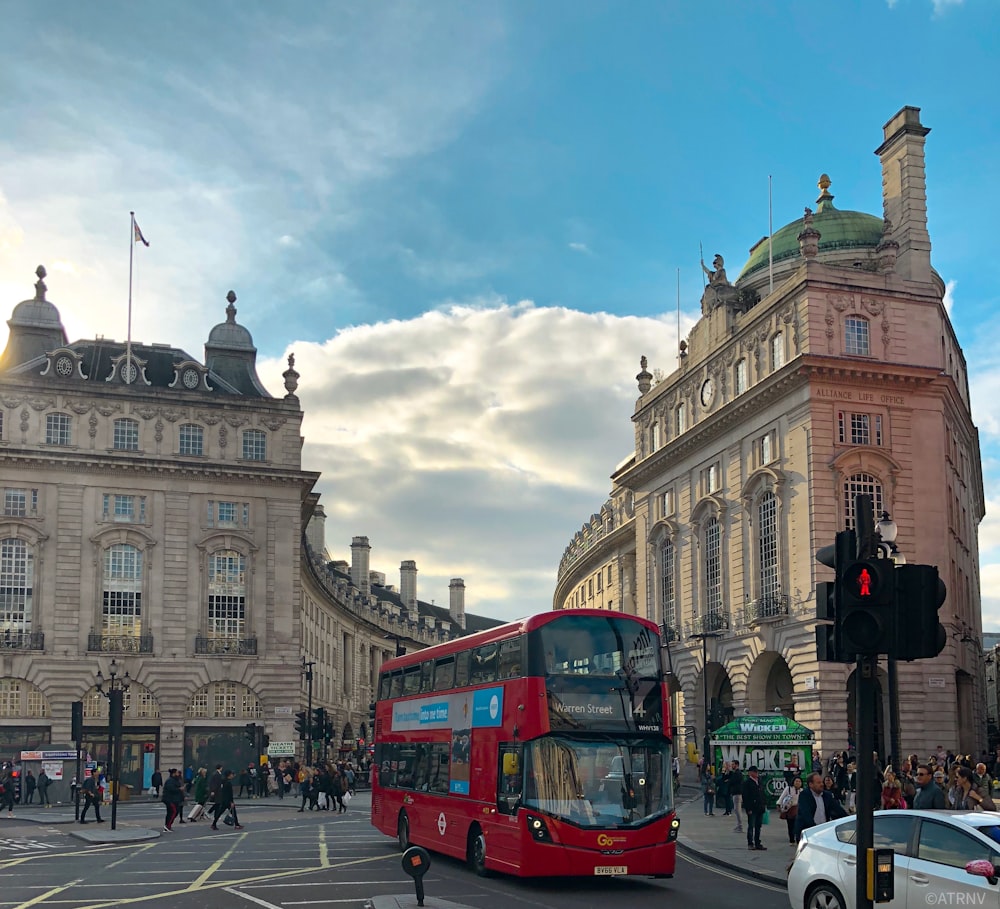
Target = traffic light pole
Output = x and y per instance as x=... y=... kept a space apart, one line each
x=864 y=696
x=895 y=749
x=307 y=668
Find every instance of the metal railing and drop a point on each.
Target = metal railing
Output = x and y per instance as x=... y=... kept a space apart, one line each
x=226 y=646
x=120 y=643
x=772 y=606
x=22 y=640
x=710 y=623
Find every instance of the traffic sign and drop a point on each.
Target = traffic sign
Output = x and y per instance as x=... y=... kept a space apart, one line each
x=281 y=749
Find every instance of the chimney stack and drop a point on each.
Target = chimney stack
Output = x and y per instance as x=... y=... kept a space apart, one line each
x=904 y=193
x=360 y=557
x=316 y=532
x=408 y=587
x=456 y=601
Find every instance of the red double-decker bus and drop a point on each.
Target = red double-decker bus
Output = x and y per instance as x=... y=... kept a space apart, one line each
x=535 y=748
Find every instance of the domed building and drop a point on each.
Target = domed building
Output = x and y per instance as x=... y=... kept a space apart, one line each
x=828 y=369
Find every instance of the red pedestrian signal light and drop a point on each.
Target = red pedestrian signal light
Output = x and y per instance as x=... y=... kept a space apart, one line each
x=866 y=606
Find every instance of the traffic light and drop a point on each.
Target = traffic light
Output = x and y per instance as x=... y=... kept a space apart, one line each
x=318 y=724
x=865 y=603
x=328 y=732
x=251 y=733
x=301 y=725
x=77 y=720
x=829 y=644
x=920 y=593
x=371 y=711
x=265 y=740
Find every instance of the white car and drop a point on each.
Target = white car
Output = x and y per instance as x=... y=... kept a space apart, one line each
x=934 y=852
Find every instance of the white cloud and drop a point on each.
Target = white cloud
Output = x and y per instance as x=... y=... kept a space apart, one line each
x=474 y=439
x=949 y=296
x=581 y=247
x=941 y=6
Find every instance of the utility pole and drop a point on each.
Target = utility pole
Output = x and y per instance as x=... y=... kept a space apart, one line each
x=864 y=693
x=307 y=668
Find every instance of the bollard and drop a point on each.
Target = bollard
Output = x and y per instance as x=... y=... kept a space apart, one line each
x=416 y=861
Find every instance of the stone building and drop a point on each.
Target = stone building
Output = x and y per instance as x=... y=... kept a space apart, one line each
x=828 y=368
x=157 y=520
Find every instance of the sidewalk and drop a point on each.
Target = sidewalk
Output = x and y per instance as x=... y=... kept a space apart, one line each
x=713 y=840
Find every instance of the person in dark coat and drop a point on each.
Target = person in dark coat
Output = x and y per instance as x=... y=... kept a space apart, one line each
x=173 y=798
x=817 y=805
x=156 y=781
x=928 y=793
x=91 y=797
x=225 y=801
x=29 y=788
x=754 y=804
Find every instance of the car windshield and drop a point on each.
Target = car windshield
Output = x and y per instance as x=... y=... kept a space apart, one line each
x=598 y=783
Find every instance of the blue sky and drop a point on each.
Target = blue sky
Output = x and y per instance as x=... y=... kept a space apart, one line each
x=467 y=219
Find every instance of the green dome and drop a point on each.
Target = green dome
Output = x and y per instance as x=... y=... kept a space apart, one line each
x=838 y=230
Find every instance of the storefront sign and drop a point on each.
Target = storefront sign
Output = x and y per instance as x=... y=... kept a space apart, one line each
x=281 y=749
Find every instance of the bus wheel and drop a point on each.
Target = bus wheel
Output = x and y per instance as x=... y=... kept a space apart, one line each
x=403 y=831
x=476 y=851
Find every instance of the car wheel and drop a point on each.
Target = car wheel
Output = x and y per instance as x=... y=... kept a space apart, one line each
x=824 y=896
x=403 y=831
x=476 y=851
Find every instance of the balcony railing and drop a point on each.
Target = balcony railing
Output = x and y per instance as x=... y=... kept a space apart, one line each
x=772 y=606
x=226 y=646
x=22 y=640
x=120 y=643
x=710 y=623
x=669 y=633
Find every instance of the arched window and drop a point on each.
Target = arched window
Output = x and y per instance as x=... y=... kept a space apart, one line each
x=862 y=484
x=668 y=585
x=122 y=594
x=777 y=351
x=713 y=568
x=768 y=586
x=191 y=439
x=17 y=575
x=856 y=337
x=226 y=595
x=126 y=437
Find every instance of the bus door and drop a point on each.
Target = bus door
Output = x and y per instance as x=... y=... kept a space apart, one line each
x=504 y=840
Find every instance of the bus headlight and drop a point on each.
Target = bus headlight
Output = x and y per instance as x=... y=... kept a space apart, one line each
x=538 y=830
x=675 y=826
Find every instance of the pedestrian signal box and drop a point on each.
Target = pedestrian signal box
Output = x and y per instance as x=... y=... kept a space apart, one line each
x=880 y=875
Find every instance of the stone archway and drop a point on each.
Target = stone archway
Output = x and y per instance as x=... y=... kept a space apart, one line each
x=770 y=685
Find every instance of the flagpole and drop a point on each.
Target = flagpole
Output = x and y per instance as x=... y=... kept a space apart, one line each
x=770 y=238
x=128 y=340
x=678 y=317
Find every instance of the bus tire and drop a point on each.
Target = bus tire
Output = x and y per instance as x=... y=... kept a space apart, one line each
x=403 y=831
x=476 y=851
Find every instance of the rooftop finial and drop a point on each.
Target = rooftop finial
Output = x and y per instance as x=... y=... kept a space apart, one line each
x=40 y=287
x=290 y=376
x=231 y=309
x=825 y=200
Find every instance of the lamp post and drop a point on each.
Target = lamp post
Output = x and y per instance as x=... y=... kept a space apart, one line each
x=703 y=636
x=887 y=531
x=307 y=668
x=115 y=693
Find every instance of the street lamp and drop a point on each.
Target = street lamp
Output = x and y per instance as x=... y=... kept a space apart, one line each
x=115 y=693
x=886 y=531
x=703 y=636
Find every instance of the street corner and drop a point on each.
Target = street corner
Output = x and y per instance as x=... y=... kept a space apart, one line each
x=409 y=901
x=102 y=835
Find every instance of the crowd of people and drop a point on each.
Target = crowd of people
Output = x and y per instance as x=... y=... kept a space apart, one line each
x=944 y=780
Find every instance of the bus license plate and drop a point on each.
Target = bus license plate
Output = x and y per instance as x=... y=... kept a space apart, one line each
x=611 y=869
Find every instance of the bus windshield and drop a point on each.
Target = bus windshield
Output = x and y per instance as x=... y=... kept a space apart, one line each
x=598 y=783
x=597 y=645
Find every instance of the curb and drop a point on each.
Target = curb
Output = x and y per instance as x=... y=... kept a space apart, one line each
x=732 y=866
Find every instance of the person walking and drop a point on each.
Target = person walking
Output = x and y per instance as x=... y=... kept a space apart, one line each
x=245 y=785
x=91 y=796
x=754 y=805
x=29 y=788
x=7 y=791
x=305 y=784
x=817 y=805
x=156 y=781
x=200 y=790
x=173 y=798
x=226 y=802
x=708 y=790
x=788 y=806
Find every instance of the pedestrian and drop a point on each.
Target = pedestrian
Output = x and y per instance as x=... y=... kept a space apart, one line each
x=156 y=781
x=188 y=778
x=91 y=796
x=200 y=795
x=968 y=797
x=245 y=784
x=73 y=787
x=215 y=783
x=226 y=802
x=708 y=790
x=349 y=773
x=7 y=791
x=44 y=781
x=723 y=799
x=892 y=792
x=788 y=806
x=305 y=785
x=173 y=798
x=928 y=793
x=754 y=805
x=29 y=788
x=817 y=805
x=736 y=791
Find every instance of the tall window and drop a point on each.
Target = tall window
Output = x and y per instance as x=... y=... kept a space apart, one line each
x=741 y=376
x=17 y=574
x=668 y=600
x=856 y=342
x=861 y=484
x=766 y=448
x=226 y=594
x=122 y=591
x=713 y=568
x=654 y=437
x=58 y=429
x=681 y=418
x=767 y=546
x=126 y=435
x=191 y=439
x=254 y=445
x=777 y=351
x=15 y=502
